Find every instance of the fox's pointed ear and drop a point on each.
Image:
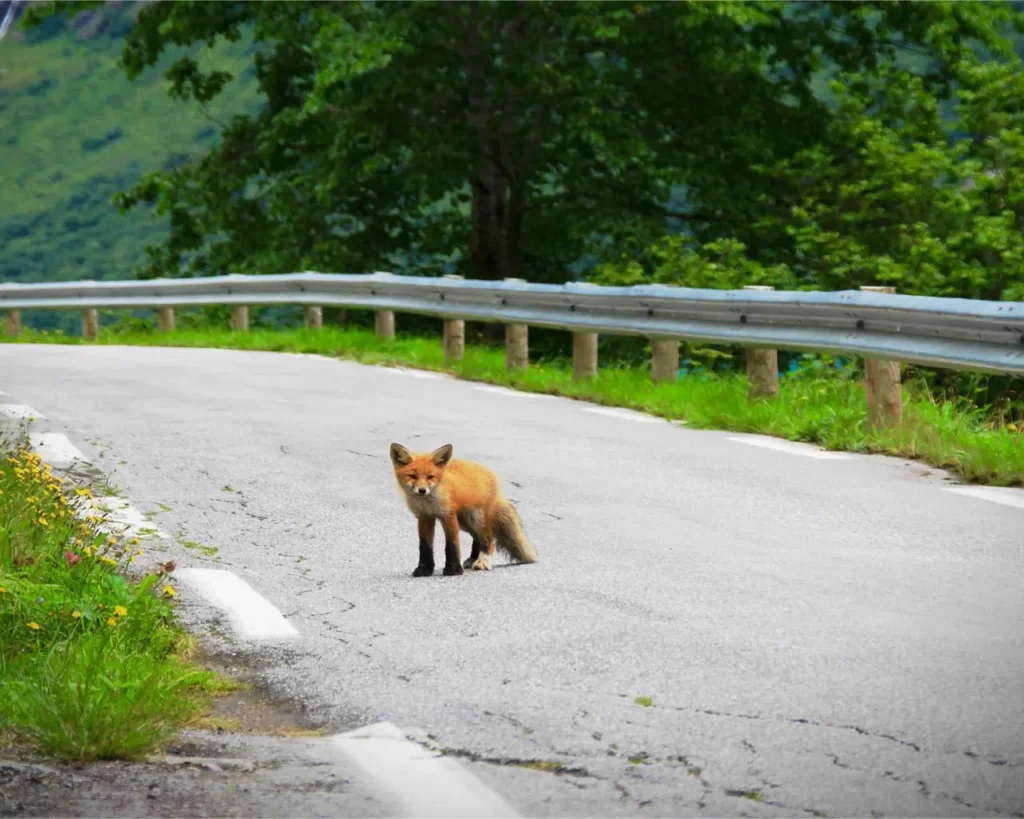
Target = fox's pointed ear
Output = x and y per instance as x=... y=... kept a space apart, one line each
x=400 y=455
x=442 y=455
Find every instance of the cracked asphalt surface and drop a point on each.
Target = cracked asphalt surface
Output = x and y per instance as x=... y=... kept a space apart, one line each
x=713 y=629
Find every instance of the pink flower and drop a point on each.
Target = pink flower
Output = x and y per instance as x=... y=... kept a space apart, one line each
x=72 y=557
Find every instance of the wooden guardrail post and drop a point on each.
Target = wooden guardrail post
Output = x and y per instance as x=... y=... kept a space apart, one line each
x=584 y=356
x=454 y=334
x=165 y=320
x=240 y=318
x=313 y=317
x=90 y=323
x=762 y=365
x=584 y=351
x=664 y=359
x=13 y=323
x=384 y=320
x=882 y=385
x=384 y=324
x=517 y=342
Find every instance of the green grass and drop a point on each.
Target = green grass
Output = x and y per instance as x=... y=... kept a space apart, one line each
x=818 y=404
x=92 y=665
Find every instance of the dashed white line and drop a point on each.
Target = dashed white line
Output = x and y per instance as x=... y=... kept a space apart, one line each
x=120 y=517
x=55 y=449
x=426 y=783
x=790 y=447
x=250 y=614
x=625 y=415
x=20 y=411
x=994 y=494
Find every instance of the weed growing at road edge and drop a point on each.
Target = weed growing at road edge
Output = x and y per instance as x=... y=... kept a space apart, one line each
x=92 y=665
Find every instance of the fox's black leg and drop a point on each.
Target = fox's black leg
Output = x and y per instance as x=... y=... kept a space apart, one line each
x=473 y=554
x=426 y=564
x=452 y=564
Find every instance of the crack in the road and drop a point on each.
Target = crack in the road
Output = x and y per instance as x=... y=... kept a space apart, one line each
x=998 y=762
x=551 y=766
x=711 y=712
x=511 y=720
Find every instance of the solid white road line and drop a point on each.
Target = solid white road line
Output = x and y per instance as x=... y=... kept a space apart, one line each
x=995 y=494
x=410 y=372
x=509 y=393
x=790 y=447
x=426 y=783
x=55 y=449
x=251 y=614
x=20 y=411
x=625 y=415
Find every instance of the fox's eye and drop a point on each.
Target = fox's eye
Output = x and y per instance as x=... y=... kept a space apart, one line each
x=431 y=477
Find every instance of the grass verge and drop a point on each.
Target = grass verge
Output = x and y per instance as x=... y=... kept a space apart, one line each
x=92 y=665
x=819 y=403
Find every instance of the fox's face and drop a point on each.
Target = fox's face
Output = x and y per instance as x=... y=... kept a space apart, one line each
x=419 y=474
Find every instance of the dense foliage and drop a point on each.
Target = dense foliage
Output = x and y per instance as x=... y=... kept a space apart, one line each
x=697 y=143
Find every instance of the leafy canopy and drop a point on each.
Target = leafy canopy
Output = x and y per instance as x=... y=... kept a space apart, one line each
x=683 y=141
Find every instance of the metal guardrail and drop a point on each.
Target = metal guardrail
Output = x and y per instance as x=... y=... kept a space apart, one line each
x=986 y=336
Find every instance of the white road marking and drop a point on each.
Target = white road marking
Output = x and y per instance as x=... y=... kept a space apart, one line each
x=251 y=614
x=509 y=393
x=426 y=783
x=626 y=415
x=791 y=447
x=120 y=517
x=20 y=411
x=995 y=494
x=55 y=449
x=411 y=372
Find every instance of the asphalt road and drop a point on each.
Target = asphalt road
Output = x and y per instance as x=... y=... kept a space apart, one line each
x=833 y=636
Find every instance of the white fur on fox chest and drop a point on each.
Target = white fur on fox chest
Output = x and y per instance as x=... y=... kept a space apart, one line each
x=425 y=506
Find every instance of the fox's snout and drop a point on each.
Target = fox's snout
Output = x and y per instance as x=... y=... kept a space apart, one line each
x=421 y=490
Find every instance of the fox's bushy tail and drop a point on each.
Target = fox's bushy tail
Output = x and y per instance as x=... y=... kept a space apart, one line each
x=510 y=536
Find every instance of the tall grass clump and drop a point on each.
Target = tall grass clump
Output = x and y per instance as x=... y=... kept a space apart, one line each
x=92 y=665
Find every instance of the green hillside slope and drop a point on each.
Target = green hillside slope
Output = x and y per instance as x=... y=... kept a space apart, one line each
x=74 y=131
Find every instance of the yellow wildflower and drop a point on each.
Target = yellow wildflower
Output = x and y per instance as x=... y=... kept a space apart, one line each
x=169 y=591
x=34 y=626
x=42 y=521
x=112 y=621
x=76 y=614
x=120 y=611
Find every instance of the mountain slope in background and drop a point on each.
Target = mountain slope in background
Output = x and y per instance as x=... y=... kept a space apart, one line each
x=74 y=131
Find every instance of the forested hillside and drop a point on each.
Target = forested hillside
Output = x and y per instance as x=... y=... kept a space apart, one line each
x=74 y=132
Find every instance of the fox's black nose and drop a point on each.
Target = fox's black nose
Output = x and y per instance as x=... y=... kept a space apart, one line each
x=422 y=490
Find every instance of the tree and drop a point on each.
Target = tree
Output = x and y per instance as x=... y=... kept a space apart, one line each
x=515 y=139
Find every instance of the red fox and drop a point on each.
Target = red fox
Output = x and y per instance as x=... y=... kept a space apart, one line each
x=462 y=495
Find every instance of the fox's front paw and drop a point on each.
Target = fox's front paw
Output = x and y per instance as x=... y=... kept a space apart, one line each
x=423 y=571
x=452 y=569
x=481 y=564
